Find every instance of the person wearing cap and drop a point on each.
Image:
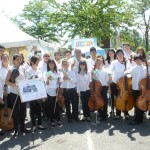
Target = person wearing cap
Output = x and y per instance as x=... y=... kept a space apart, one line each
x=138 y=72
x=127 y=51
x=116 y=71
x=91 y=61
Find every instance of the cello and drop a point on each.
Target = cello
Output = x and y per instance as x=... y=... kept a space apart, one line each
x=96 y=100
x=124 y=101
x=6 y=122
x=143 y=102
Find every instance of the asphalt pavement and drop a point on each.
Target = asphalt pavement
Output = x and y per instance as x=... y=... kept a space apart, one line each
x=109 y=135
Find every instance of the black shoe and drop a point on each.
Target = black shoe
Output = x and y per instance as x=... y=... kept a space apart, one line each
x=117 y=117
x=34 y=129
x=103 y=119
x=41 y=127
x=16 y=133
x=59 y=123
x=134 y=122
x=45 y=118
x=69 y=120
x=25 y=131
x=53 y=124
x=1 y=133
x=77 y=119
x=127 y=117
x=88 y=119
x=83 y=119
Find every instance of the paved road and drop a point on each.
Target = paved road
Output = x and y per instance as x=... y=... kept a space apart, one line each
x=109 y=135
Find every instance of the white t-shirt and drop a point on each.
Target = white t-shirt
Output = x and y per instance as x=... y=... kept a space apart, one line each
x=127 y=55
x=138 y=73
x=3 y=74
x=102 y=76
x=117 y=70
x=59 y=65
x=53 y=84
x=32 y=74
x=1 y=90
x=20 y=77
x=90 y=64
x=42 y=66
x=83 y=81
x=0 y=63
x=76 y=67
x=68 y=83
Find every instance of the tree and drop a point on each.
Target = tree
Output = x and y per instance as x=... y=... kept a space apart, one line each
x=88 y=18
x=35 y=20
x=49 y=20
x=142 y=9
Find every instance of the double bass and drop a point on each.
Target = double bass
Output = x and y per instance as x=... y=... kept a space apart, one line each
x=124 y=101
x=143 y=102
x=6 y=121
x=96 y=100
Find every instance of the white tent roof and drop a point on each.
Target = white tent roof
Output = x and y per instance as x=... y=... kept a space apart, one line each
x=12 y=36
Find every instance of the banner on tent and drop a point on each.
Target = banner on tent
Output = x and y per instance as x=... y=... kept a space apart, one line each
x=87 y=42
x=30 y=90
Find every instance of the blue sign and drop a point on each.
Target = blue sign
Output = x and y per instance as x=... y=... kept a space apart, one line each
x=87 y=42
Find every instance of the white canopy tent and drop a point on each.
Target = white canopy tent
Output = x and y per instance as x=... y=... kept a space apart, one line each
x=12 y=36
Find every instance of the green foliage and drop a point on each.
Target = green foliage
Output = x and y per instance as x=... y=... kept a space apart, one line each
x=35 y=20
x=143 y=22
x=50 y=21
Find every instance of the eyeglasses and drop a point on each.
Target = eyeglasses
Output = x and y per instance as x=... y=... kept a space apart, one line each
x=46 y=56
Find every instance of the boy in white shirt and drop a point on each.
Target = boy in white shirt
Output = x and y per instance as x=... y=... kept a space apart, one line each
x=101 y=75
x=68 y=83
x=138 y=72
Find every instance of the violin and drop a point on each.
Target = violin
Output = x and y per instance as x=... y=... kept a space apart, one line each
x=143 y=102
x=6 y=122
x=124 y=101
x=96 y=100
x=14 y=75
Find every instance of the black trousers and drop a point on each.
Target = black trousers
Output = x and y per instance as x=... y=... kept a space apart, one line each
x=35 y=109
x=103 y=111
x=114 y=92
x=18 y=112
x=9 y=104
x=52 y=108
x=70 y=96
x=138 y=114
x=84 y=99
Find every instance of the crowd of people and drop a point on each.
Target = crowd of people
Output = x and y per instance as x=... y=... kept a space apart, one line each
x=73 y=75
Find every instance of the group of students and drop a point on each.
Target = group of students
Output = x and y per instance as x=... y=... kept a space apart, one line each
x=73 y=75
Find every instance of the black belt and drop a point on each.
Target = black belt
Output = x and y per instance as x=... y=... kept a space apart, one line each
x=66 y=89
